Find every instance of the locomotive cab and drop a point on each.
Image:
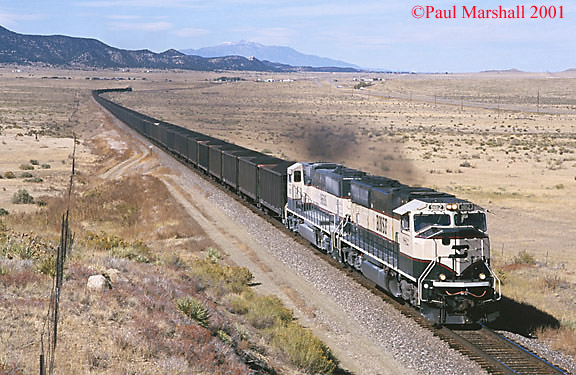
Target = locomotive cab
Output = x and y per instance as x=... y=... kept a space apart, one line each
x=447 y=249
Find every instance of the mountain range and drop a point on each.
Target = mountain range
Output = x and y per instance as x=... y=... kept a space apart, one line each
x=277 y=54
x=71 y=52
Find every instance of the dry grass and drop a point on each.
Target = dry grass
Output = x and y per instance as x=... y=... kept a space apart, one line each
x=524 y=167
x=519 y=164
x=132 y=230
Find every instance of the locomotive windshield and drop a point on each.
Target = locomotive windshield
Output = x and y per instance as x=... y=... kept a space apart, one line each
x=427 y=220
x=476 y=220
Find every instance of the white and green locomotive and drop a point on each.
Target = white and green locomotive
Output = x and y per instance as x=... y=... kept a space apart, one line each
x=429 y=248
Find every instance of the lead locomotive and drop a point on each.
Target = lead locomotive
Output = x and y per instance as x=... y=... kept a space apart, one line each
x=429 y=248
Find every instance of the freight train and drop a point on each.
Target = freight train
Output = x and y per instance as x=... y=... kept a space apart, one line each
x=424 y=247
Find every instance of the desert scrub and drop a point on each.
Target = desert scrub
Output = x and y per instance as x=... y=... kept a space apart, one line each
x=22 y=197
x=9 y=175
x=221 y=278
x=304 y=350
x=297 y=344
x=524 y=257
x=35 y=180
x=26 y=167
x=194 y=309
x=118 y=247
x=261 y=311
x=26 y=175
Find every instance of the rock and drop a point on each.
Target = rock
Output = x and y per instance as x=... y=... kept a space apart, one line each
x=98 y=282
x=113 y=275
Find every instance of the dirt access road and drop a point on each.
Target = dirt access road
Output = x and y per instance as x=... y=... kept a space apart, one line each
x=357 y=352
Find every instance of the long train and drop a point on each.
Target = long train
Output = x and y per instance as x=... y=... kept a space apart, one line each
x=425 y=247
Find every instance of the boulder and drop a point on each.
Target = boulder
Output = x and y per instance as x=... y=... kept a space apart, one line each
x=98 y=282
x=113 y=275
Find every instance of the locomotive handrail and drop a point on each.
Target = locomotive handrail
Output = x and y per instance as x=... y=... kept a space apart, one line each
x=422 y=277
x=497 y=281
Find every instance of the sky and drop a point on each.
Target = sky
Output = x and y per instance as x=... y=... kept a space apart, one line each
x=399 y=35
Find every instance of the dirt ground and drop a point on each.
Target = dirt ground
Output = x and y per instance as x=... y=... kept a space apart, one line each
x=506 y=141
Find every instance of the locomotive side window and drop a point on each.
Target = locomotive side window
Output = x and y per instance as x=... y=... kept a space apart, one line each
x=423 y=221
x=405 y=222
x=297 y=176
x=476 y=220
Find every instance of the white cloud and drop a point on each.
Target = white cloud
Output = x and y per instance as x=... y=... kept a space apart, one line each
x=12 y=19
x=190 y=32
x=266 y=35
x=144 y=26
x=137 y=3
x=119 y=17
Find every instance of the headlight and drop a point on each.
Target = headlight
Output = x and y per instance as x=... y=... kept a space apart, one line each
x=452 y=206
x=442 y=277
x=482 y=276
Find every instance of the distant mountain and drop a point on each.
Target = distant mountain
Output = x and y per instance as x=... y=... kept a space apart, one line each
x=65 y=51
x=282 y=55
x=512 y=70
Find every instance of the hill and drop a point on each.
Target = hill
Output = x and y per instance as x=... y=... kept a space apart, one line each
x=278 y=54
x=65 y=51
x=70 y=52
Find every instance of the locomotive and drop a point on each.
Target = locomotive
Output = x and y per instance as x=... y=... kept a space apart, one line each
x=427 y=248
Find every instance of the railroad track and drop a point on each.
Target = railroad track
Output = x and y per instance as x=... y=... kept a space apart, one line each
x=492 y=351
x=489 y=349
x=496 y=353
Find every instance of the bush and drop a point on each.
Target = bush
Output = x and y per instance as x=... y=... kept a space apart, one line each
x=35 y=180
x=4 y=212
x=194 y=309
x=26 y=167
x=261 y=311
x=47 y=265
x=9 y=175
x=213 y=255
x=133 y=252
x=304 y=350
x=524 y=257
x=225 y=278
x=22 y=197
x=34 y=162
x=45 y=166
x=26 y=175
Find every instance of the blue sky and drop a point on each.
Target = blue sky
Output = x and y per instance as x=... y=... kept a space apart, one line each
x=369 y=33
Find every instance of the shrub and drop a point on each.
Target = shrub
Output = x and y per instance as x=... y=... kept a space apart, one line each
x=225 y=278
x=26 y=167
x=47 y=265
x=4 y=212
x=524 y=257
x=213 y=255
x=22 y=197
x=34 y=162
x=35 y=180
x=304 y=350
x=26 y=175
x=261 y=311
x=194 y=309
x=133 y=252
x=9 y=175
x=45 y=166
